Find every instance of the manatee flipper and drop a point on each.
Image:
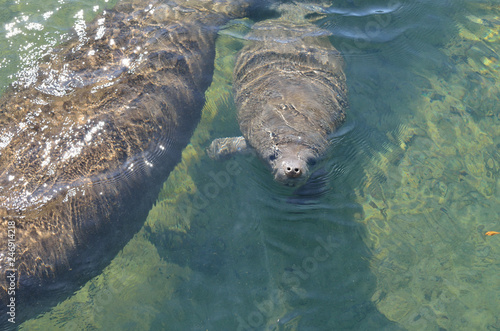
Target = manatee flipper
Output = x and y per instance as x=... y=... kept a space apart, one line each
x=225 y=147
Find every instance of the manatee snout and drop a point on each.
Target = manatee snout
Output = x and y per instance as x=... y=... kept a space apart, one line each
x=292 y=167
x=291 y=171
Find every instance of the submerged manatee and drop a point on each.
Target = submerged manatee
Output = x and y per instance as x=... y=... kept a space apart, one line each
x=85 y=147
x=290 y=93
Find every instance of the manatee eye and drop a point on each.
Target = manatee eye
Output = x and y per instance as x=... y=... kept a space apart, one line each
x=275 y=154
x=311 y=161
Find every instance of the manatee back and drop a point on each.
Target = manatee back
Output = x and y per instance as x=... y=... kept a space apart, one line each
x=289 y=83
x=85 y=147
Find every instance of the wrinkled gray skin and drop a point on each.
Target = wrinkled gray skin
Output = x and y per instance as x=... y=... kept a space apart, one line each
x=290 y=93
x=85 y=148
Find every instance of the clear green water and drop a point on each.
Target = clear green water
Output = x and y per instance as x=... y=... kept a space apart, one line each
x=394 y=240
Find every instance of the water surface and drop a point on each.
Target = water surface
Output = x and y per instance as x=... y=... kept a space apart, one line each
x=389 y=234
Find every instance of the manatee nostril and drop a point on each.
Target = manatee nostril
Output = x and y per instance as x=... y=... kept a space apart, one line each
x=293 y=172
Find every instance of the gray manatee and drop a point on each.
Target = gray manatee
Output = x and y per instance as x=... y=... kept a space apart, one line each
x=86 y=145
x=290 y=93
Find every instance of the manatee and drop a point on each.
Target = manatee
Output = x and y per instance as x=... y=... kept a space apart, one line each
x=290 y=94
x=86 y=143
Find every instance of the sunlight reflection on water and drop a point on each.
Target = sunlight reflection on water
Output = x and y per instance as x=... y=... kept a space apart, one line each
x=393 y=233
